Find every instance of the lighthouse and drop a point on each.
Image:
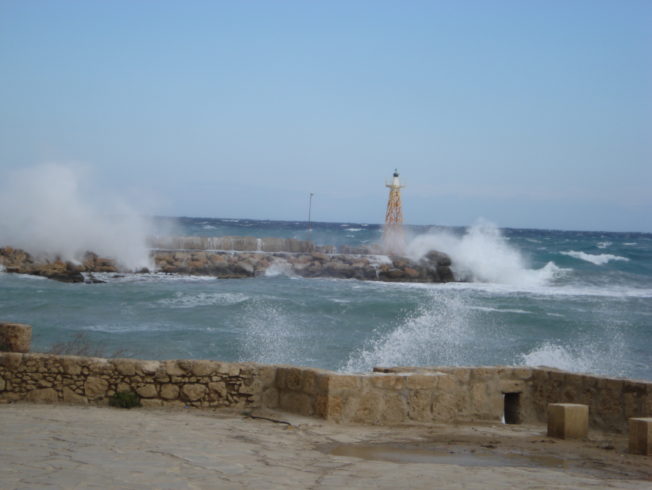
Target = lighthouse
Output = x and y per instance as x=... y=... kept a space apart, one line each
x=393 y=234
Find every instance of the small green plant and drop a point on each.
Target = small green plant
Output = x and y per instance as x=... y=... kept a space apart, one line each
x=125 y=399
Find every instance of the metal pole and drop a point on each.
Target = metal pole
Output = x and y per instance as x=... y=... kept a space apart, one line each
x=310 y=211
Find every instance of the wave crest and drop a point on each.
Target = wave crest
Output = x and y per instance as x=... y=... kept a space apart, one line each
x=483 y=254
x=597 y=259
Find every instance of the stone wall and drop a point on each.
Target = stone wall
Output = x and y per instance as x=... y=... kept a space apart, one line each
x=390 y=396
x=71 y=379
x=402 y=395
x=611 y=401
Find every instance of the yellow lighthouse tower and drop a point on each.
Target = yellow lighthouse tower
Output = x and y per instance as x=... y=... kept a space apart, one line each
x=393 y=235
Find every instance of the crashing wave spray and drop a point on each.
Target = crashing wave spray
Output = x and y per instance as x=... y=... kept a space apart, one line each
x=482 y=254
x=603 y=353
x=47 y=211
x=437 y=334
x=270 y=335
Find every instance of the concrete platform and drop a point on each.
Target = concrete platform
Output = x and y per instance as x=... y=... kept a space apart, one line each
x=90 y=447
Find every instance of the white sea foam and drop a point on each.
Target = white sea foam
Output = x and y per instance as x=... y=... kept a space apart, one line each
x=280 y=267
x=353 y=229
x=494 y=289
x=111 y=277
x=128 y=328
x=597 y=259
x=52 y=209
x=482 y=254
x=182 y=300
x=604 y=244
x=209 y=227
x=499 y=310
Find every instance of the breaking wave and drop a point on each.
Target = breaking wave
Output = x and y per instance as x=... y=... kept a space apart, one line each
x=52 y=210
x=483 y=254
x=597 y=259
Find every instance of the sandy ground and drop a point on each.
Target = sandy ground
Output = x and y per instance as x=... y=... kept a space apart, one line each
x=89 y=447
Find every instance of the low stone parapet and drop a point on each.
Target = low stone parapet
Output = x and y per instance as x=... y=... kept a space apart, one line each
x=83 y=380
x=388 y=396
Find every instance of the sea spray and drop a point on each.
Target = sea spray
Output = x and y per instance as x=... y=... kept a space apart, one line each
x=269 y=335
x=483 y=254
x=598 y=353
x=48 y=210
x=437 y=333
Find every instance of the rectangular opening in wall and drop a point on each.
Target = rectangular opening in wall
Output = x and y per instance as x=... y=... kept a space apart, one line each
x=512 y=408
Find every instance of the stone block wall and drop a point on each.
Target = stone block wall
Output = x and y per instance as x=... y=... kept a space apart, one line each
x=611 y=401
x=388 y=396
x=84 y=380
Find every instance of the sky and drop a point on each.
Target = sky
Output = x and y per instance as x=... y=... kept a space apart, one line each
x=531 y=114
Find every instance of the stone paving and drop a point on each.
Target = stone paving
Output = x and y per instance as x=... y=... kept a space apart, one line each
x=55 y=446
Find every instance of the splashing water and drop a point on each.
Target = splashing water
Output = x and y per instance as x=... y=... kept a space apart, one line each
x=483 y=254
x=434 y=335
x=270 y=336
x=47 y=211
x=583 y=355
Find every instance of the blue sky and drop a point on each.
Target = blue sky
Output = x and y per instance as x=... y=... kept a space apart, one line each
x=530 y=114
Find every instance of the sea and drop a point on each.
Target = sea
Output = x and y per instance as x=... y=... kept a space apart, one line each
x=575 y=300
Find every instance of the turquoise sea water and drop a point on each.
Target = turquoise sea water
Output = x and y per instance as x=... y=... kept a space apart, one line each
x=580 y=301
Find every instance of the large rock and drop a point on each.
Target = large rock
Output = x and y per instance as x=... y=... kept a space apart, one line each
x=15 y=337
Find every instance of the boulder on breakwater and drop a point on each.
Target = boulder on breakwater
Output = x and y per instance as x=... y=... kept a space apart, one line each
x=20 y=262
x=308 y=261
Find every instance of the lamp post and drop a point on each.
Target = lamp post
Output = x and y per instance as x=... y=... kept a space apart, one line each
x=310 y=211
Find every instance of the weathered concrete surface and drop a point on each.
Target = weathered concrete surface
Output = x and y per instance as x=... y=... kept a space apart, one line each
x=91 y=447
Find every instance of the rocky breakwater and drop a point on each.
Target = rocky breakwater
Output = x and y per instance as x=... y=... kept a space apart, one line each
x=433 y=267
x=308 y=261
x=20 y=262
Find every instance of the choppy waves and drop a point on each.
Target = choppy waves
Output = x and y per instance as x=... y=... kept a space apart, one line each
x=182 y=300
x=597 y=259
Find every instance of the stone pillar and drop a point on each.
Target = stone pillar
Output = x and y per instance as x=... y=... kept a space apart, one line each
x=640 y=436
x=15 y=337
x=568 y=420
